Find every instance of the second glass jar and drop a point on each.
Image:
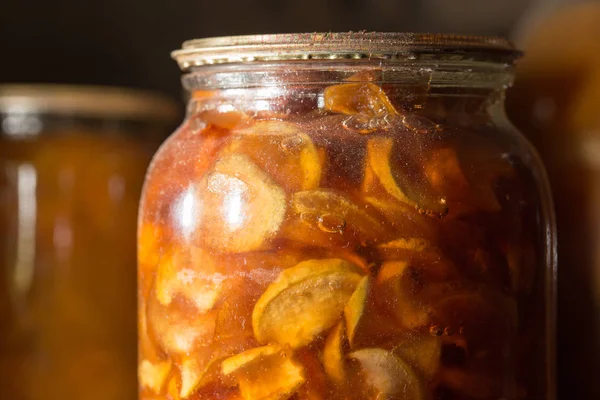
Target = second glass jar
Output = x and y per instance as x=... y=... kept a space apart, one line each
x=346 y=216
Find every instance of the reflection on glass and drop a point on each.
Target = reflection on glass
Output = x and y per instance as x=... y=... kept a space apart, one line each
x=26 y=241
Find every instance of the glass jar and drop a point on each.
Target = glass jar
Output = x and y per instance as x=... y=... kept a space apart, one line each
x=72 y=162
x=556 y=101
x=346 y=216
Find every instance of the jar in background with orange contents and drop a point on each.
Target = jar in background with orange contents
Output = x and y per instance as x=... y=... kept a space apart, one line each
x=72 y=163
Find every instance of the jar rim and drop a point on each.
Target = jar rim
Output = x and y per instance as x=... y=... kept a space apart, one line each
x=87 y=101
x=342 y=45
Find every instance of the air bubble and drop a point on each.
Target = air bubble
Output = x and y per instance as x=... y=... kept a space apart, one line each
x=448 y=331
x=291 y=144
x=385 y=121
x=436 y=330
x=359 y=123
x=419 y=124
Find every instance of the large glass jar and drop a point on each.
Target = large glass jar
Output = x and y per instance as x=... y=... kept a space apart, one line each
x=346 y=216
x=72 y=163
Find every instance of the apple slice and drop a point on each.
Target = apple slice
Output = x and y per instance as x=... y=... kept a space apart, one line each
x=282 y=150
x=267 y=372
x=355 y=312
x=324 y=216
x=357 y=98
x=333 y=354
x=406 y=185
x=388 y=375
x=237 y=207
x=154 y=375
x=304 y=301
x=422 y=352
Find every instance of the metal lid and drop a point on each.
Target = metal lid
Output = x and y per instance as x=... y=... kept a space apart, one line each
x=331 y=46
x=87 y=101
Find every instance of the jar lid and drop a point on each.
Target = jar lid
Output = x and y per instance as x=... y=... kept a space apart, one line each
x=332 y=46
x=87 y=101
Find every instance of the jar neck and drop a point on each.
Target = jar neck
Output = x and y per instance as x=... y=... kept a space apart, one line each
x=442 y=91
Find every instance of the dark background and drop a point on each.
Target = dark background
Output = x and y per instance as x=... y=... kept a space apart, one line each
x=127 y=42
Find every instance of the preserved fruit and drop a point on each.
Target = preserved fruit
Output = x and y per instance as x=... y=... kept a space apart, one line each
x=341 y=243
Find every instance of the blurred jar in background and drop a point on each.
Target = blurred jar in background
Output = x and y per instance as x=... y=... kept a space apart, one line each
x=72 y=163
x=556 y=98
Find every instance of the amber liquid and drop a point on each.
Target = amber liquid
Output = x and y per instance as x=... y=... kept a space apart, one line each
x=354 y=252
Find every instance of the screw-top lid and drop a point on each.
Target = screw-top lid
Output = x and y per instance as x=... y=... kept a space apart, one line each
x=332 y=46
x=87 y=101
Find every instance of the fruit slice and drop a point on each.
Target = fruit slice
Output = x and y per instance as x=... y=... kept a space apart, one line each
x=426 y=259
x=223 y=119
x=239 y=208
x=265 y=373
x=465 y=190
x=406 y=221
x=398 y=286
x=333 y=354
x=304 y=301
x=282 y=150
x=249 y=275
x=196 y=373
x=246 y=358
x=410 y=248
x=192 y=276
x=179 y=328
x=355 y=312
x=422 y=352
x=357 y=98
x=405 y=184
x=388 y=375
x=408 y=245
x=323 y=216
x=443 y=170
x=202 y=369
x=151 y=243
x=146 y=345
x=154 y=375
x=172 y=390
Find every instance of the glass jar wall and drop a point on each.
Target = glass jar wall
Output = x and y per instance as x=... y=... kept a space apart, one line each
x=346 y=216
x=72 y=162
